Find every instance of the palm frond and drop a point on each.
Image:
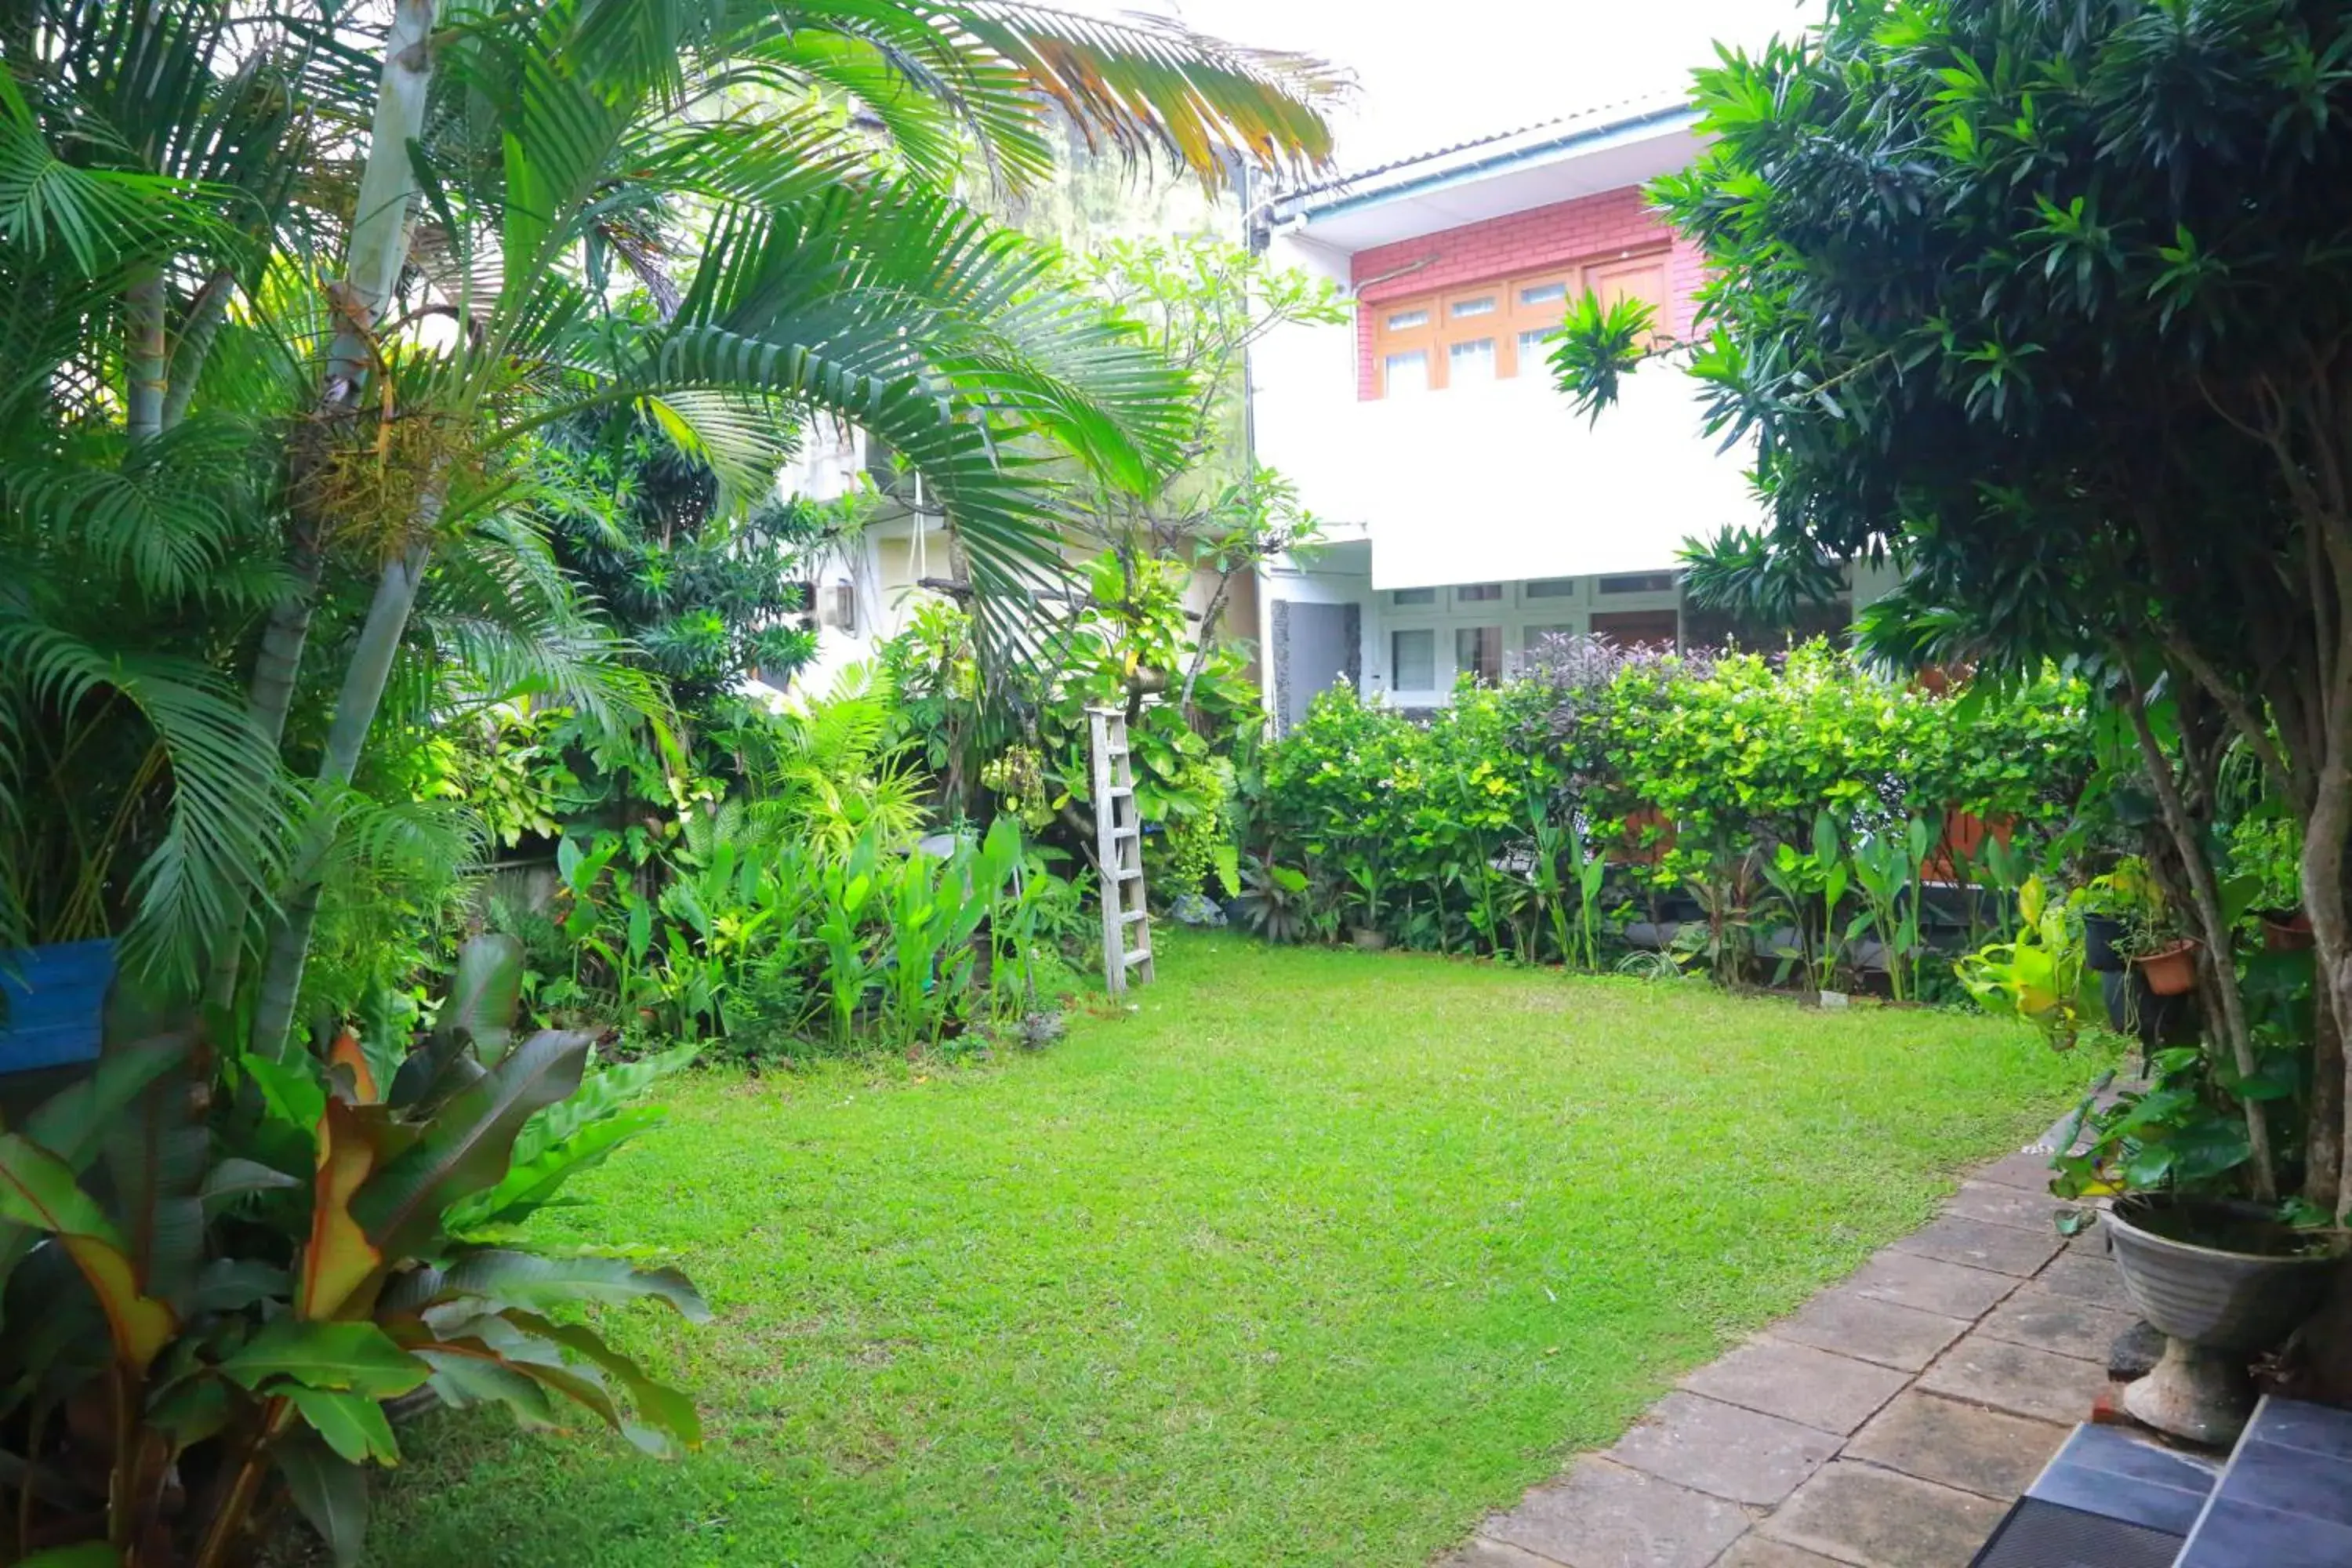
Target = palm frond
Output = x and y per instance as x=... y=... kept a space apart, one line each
x=222 y=836
x=1147 y=84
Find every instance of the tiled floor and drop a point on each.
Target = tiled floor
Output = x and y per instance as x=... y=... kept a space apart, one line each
x=1888 y=1423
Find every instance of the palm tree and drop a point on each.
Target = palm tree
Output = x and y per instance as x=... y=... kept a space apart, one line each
x=515 y=168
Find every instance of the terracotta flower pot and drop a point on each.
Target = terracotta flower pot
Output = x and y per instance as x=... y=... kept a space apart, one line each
x=2286 y=931
x=1962 y=842
x=2170 y=970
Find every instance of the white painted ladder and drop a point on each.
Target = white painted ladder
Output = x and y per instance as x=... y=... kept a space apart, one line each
x=1119 y=852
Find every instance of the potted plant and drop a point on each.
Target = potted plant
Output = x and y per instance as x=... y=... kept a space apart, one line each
x=2223 y=1277
x=2043 y=975
x=2265 y=854
x=2159 y=952
x=1369 y=881
x=2108 y=904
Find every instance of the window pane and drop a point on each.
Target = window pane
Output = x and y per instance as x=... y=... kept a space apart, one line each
x=1478 y=594
x=1402 y=596
x=1542 y=293
x=1406 y=373
x=1478 y=650
x=1535 y=347
x=1551 y=588
x=1483 y=306
x=1404 y=320
x=1471 y=362
x=1536 y=635
x=1413 y=661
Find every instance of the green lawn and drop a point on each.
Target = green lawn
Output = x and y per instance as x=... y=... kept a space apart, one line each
x=1312 y=1259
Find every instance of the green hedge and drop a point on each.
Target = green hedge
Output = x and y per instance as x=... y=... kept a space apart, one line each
x=1734 y=752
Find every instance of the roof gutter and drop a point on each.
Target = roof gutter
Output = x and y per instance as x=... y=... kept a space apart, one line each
x=1438 y=180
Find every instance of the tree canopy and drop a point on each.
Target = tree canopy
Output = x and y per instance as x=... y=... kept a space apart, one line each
x=2052 y=303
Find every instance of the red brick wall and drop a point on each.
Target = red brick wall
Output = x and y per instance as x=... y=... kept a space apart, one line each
x=1586 y=229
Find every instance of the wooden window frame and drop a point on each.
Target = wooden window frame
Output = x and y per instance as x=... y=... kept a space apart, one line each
x=1441 y=330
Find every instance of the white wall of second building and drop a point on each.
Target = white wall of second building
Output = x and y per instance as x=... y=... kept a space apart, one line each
x=1487 y=481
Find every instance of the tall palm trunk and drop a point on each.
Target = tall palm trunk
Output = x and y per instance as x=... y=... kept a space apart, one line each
x=355 y=708
x=144 y=360
x=372 y=263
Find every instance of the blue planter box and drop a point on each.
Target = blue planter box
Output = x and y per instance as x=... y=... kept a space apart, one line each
x=53 y=998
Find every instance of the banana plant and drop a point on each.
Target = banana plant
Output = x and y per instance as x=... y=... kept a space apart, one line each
x=208 y=1299
x=1886 y=874
x=847 y=884
x=1812 y=885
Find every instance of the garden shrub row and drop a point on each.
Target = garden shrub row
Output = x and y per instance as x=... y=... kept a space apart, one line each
x=1634 y=779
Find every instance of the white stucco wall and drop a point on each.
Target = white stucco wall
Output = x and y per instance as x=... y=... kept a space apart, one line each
x=1502 y=481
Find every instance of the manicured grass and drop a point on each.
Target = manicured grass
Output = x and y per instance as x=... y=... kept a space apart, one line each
x=1313 y=1258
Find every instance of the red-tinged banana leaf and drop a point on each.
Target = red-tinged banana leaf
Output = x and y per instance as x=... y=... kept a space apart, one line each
x=38 y=1190
x=339 y=1258
x=483 y=995
x=72 y=1123
x=347 y=1054
x=155 y=1155
x=468 y=1143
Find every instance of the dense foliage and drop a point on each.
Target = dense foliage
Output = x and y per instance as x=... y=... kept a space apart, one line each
x=2047 y=302
x=1524 y=819
x=336 y=555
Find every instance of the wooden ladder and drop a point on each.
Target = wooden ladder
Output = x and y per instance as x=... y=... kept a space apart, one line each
x=1118 y=851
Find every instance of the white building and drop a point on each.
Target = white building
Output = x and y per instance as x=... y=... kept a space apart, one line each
x=1469 y=510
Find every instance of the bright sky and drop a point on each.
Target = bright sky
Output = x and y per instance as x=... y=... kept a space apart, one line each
x=1430 y=72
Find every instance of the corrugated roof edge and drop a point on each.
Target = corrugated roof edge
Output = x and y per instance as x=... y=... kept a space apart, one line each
x=1543 y=135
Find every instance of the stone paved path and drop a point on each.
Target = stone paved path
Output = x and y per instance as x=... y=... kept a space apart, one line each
x=1889 y=1424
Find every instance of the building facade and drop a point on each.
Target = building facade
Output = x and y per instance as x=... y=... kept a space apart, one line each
x=1467 y=512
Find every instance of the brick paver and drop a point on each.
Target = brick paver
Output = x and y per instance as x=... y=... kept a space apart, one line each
x=1888 y=1423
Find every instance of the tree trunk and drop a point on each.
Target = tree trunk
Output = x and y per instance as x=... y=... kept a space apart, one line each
x=373 y=260
x=197 y=329
x=1202 y=647
x=355 y=710
x=2322 y=1170
x=2205 y=895
x=275 y=665
x=2323 y=902
x=144 y=358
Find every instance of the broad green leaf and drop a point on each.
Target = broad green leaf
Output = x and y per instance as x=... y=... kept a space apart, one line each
x=192 y=1410
x=667 y=1408
x=465 y=1375
x=234 y=1177
x=291 y=1090
x=358 y=1357
x=484 y=994
x=233 y=1284
x=89 y=1554
x=330 y=1492
x=537 y=1281
x=354 y=1424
